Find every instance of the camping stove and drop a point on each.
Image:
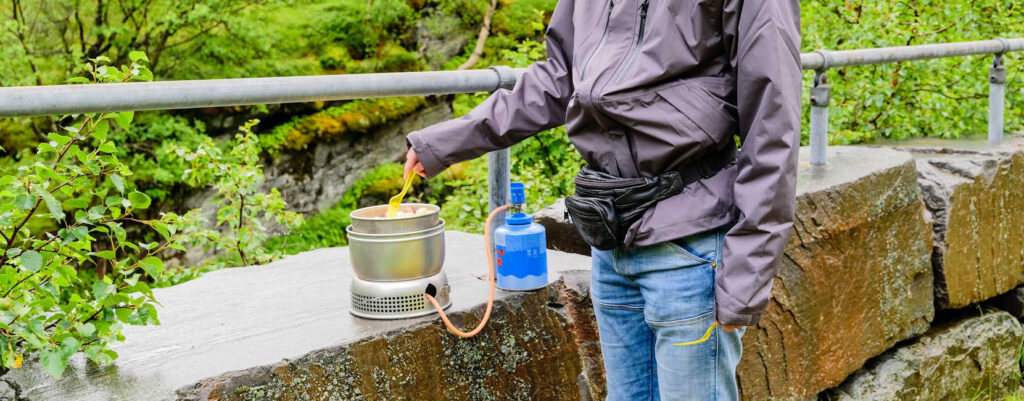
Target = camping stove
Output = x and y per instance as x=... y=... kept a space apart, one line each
x=398 y=299
x=396 y=261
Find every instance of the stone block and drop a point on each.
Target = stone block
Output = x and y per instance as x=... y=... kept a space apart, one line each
x=561 y=234
x=855 y=279
x=968 y=357
x=574 y=295
x=283 y=331
x=976 y=201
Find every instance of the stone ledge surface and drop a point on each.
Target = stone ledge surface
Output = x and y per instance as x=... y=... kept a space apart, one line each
x=965 y=358
x=257 y=317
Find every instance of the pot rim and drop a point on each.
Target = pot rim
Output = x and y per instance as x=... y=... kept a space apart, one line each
x=395 y=237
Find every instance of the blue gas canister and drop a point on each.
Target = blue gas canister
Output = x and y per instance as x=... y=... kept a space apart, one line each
x=520 y=248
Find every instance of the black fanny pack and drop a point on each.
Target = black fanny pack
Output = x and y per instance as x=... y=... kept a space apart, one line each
x=605 y=206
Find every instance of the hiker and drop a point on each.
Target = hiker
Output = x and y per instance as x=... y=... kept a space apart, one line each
x=686 y=229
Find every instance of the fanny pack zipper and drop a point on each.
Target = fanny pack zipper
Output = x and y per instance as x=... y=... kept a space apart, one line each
x=604 y=38
x=639 y=40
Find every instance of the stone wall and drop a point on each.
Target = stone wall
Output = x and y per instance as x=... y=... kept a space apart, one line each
x=888 y=290
x=882 y=239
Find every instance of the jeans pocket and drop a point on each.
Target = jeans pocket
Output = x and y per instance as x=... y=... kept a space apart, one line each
x=704 y=247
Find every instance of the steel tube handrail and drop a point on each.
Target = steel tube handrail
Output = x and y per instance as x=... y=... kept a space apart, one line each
x=821 y=59
x=164 y=95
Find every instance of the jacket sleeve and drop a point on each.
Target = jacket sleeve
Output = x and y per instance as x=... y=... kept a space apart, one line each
x=537 y=102
x=765 y=52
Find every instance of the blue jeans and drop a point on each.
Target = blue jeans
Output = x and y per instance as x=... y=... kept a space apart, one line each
x=646 y=299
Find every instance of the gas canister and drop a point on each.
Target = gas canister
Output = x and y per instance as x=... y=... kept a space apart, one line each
x=520 y=248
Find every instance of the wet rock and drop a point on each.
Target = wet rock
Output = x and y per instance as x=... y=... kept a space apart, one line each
x=526 y=353
x=855 y=278
x=976 y=200
x=561 y=234
x=965 y=358
x=284 y=330
x=574 y=295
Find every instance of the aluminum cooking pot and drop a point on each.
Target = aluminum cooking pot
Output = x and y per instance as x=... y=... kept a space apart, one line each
x=395 y=257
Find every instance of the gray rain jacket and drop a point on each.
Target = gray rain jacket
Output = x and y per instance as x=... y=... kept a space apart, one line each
x=645 y=86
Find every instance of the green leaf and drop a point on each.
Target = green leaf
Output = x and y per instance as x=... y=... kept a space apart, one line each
x=137 y=55
x=152 y=265
x=76 y=203
x=85 y=330
x=100 y=289
x=31 y=261
x=81 y=233
x=96 y=212
x=162 y=229
x=60 y=139
x=77 y=80
x=53 y=363
x=52 y=204
x=118 y=182
x=139 y=200
x=107 y=147
x=124 y=119
x=108 y=254
x=100 y=130
x=25 y=201
x=55 y=360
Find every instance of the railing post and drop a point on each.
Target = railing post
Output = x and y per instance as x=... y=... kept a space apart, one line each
x=996 y=95
x=499 y=163
x=820 y=97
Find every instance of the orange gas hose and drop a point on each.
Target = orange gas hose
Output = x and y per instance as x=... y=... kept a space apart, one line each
x=490 y=296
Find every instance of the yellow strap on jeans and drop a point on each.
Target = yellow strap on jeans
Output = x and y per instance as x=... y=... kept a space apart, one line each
x=707 y=335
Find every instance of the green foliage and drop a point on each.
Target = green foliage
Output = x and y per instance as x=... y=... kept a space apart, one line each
x=243 y=209
x=364 y=27
x=945 y=97
x=44 y=40
x=71 y=278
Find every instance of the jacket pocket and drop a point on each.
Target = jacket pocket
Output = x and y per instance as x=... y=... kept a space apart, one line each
x=712 y=114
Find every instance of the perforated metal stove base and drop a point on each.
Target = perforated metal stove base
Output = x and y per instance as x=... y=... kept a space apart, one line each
x=398 y=299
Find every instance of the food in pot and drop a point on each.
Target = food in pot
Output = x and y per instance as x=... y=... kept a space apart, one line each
x=408 y=211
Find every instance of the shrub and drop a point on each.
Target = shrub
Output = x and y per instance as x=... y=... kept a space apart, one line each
x=243 y=209
x=70 y=277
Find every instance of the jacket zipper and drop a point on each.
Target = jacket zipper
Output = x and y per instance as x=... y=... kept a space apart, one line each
x=604 y=38
x=639 y=40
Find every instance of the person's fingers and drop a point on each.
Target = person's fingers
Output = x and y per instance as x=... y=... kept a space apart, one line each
x=420 y=170
x=410 y=163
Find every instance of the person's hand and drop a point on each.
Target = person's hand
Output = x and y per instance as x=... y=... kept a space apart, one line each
x=412 y=164
x=730 y=327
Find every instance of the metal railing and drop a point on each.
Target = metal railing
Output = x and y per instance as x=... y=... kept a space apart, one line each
x=822 y=60
x=72 y=99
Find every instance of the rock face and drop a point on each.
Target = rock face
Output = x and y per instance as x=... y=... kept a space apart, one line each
x=976 y=199
x=855 y=279
x=316 y=179
x=966 y=358
x=526 y=353
x=574 y=295
x=561 y=235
